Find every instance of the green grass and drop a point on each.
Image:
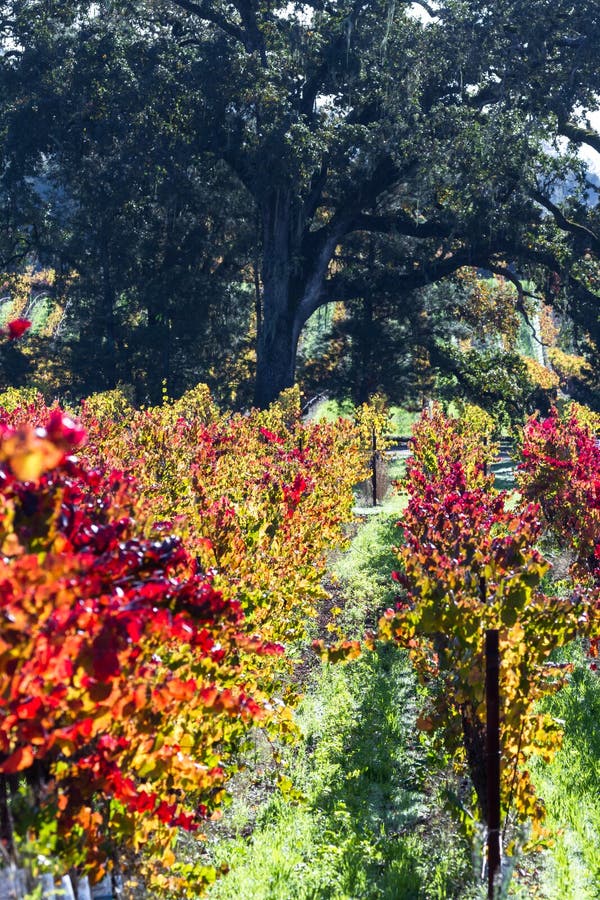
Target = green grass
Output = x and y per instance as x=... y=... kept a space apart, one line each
x=359 y=831
x=570 y=786
x=330 y=410
x=402 y=419
x=394 y=501
x=365 y=573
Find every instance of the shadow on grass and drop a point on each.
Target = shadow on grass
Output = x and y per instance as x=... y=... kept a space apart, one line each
x=372 y=796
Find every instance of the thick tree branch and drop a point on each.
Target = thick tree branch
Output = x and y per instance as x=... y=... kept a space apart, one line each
x=521 y=294
x=319 y=264
x=383 y=176
x=208 y=13
x=338 y=42
x=563 y=222
x=488 y=95
x=585 y=304
x=423 y=274
x=580 y=135
x=315 y=195
x=401 y=223
x=255 y=41
x=313 y=86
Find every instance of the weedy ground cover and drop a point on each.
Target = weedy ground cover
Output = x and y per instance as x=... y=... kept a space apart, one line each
x=570 y=786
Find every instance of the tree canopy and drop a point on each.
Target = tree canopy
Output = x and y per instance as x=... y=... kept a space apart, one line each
x=158 y=146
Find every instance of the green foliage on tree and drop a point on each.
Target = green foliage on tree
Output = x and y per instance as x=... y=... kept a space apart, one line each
x=175 y=151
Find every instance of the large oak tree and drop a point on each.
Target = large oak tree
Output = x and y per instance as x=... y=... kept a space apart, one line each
x=449 y=135
x=352 y=117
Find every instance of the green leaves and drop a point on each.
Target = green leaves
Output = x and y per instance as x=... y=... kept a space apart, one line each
x=160 y=154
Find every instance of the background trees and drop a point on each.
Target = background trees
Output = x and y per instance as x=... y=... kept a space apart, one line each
x=97 y=139
x=198 y=160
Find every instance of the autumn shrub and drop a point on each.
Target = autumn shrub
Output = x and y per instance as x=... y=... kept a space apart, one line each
x=152 y=582
x=439 y=441
x=584 y=416
x=469 y=562
x=541 y=376
x=373 y=423
x=568 y=365
x=560 y=469
x=258 y=498
x=23 y=398
x=121 y=682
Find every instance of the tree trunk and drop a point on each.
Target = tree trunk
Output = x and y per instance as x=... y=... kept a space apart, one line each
x=280 y=330
x=292 y=289
x=276 y=362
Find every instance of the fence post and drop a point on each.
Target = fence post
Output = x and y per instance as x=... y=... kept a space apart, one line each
x=83 y=889
x=374 y=467
x=492 y=741
x=6 y=824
